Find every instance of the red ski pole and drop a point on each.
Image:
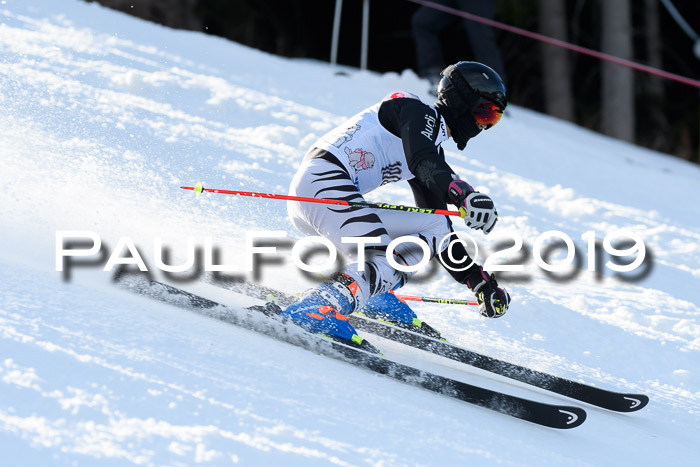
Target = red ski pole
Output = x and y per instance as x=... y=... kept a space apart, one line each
x=199 y=189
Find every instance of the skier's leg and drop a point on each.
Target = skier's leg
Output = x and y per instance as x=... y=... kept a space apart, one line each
x=386 y=306
x=319 y=178
x=324 y=309
x=375 y=276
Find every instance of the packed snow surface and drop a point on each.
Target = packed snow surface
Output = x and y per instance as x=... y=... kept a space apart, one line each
x=105 y=116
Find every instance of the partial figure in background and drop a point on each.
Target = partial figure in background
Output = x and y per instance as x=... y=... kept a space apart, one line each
x=427 y=24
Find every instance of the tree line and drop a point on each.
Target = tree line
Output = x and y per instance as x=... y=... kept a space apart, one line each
x=630 y=105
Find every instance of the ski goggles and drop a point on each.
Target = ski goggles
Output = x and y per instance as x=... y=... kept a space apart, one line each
x=488 y=113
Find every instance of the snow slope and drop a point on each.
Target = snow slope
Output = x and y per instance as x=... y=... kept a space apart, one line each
x=105 y=116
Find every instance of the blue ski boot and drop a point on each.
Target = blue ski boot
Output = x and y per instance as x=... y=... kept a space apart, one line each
x=325 y=309
x=388 y=308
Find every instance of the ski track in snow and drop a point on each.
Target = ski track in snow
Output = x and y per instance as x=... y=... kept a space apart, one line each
x=105 y=117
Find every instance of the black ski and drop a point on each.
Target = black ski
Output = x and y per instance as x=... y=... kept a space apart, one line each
x=554 y=416
x=611 y=400
x=619 y=402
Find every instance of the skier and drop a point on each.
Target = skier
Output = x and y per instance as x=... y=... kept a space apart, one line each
x=397 y=139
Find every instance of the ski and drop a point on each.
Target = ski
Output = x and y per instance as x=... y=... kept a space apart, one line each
x=618 y=402
x=553 y=416
x=610 y=400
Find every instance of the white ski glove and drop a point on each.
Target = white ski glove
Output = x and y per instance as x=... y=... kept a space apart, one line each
x=476 y=208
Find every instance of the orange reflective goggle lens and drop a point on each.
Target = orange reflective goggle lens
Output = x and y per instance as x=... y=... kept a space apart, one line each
x=488 y=114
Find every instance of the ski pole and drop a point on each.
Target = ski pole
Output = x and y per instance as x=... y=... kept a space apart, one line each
x=416 y=298
x=199 y=189
x=445 y=301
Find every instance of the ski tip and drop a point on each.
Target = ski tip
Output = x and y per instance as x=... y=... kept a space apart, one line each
x=571 y=417
x=634 y=402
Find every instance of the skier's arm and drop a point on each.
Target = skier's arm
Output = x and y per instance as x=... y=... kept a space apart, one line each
x=427 y=199
x=495 y=300
x=435 y=184
x=418 y=126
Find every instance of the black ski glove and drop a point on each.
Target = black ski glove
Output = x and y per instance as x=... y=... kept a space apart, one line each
x=476 y=208
x=493 y=300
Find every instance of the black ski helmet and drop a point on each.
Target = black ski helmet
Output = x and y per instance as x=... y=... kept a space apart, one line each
x=462 y=88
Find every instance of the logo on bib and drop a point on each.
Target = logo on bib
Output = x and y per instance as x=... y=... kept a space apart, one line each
x=359 y=159
x=338 y=139
x=391 y=173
